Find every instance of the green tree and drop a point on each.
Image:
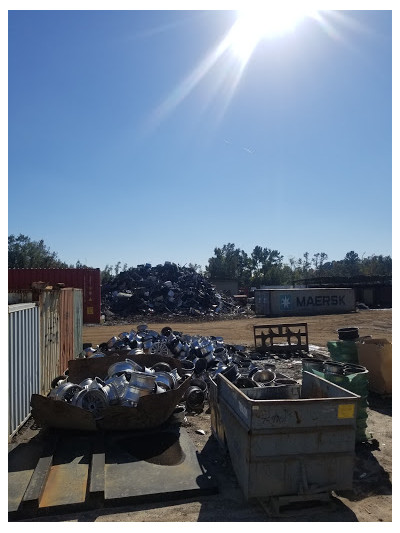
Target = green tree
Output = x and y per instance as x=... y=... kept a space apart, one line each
x=117 y=268
x=351 y=264
x=266 y=265
x=318 y=260
x=106 y=275
x=376 y=265
x=195 y=267
x=25 y=253
x=228 y=262
x=80 y=265
x=306 y=264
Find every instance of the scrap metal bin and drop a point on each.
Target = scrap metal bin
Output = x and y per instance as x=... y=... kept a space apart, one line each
x=290 y=447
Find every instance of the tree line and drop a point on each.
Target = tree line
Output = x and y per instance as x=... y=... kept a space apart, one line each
x=263 y=266
x=25 y=253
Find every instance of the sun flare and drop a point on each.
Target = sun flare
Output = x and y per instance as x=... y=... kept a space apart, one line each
x=233 y=52
x=253 y=25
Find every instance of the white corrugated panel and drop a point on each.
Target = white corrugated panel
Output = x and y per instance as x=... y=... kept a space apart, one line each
x=23 y=361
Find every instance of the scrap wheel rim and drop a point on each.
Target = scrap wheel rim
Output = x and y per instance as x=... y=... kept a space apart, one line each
x=159 y=348
x=67 y=391
x=93 y=401
x=69 y=394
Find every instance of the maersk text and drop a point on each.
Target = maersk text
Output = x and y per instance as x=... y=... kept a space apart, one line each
x=320 y=300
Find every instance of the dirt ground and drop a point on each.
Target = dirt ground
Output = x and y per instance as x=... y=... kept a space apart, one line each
x=321 y=328
x=371 y=497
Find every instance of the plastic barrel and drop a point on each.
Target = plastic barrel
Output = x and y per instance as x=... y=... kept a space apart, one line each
x=357 y=383
x=343 y=351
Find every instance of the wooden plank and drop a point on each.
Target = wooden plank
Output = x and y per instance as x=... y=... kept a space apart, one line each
x=36 y=486
x=68 y=477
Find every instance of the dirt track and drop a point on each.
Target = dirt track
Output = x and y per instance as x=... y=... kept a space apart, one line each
x=321 y=328
x=371 y=497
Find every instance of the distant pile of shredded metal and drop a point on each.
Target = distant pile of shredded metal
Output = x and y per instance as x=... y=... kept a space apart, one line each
x=164 y=290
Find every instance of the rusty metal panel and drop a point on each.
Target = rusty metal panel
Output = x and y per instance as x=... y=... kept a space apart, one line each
x=78 y=322
x=23 y=361
x=87 y=279
x=70 y=325
x=291 y=338
x=49 y=303
x=294 y=302
x=66 y=327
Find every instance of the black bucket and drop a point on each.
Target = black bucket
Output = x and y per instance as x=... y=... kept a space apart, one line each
x=348 y=334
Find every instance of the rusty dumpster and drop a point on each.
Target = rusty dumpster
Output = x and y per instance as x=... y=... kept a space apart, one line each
x=284 y=447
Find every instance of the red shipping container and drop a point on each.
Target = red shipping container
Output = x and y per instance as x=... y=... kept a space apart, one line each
x=87 y=279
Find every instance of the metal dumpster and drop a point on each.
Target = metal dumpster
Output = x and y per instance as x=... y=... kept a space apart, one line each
x=290 y=447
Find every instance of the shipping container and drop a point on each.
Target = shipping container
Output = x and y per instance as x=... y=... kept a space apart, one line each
x=60 y=332
x=23 y=361
x=293 y=302
x=49 y=305
x=289 y=446
x=87 y=279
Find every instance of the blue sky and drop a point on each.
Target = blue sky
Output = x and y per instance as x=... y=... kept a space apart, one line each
x=139 y=136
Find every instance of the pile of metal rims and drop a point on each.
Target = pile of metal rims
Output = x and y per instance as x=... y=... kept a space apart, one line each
x=168 y=342
x=198 y=354
x=125 y=384
x=201 y=357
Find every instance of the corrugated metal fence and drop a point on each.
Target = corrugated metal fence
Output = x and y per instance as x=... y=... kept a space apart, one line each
x=43 y=337
x=70 y=310
x=49 y=338
x=23 y=361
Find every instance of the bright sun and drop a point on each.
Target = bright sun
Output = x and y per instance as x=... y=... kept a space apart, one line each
x=252 y=26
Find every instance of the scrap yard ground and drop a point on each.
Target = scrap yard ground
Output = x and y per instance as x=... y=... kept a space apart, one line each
x=371 y=497
x=321 y=328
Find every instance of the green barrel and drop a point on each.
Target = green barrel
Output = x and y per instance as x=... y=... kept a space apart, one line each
x=356 y=382
x=344 y=351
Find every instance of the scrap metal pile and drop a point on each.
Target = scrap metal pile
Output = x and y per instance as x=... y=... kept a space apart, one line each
x=201 y=358
x=164 y=289
x=126 y=382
